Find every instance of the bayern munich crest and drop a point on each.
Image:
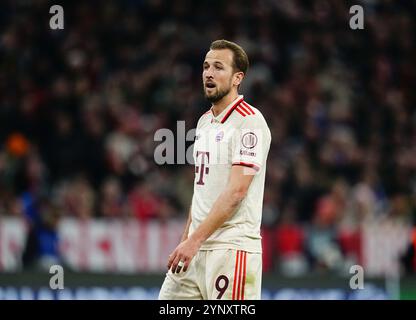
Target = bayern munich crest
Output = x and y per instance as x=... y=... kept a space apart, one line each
x=219 y=136
x=249 y=140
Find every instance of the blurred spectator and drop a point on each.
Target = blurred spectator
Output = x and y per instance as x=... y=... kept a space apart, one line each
x=322 y=245
x=144 y=203
x=400 y=211
x=42 y=245
x=113 y=203
x=270 y=209
x=77 y=198
x=290 y=246
x=408 y=259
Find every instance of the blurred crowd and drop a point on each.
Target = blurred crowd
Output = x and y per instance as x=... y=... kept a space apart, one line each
x=79 y=108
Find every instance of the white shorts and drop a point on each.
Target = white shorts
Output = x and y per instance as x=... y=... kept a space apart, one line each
x=225 y=274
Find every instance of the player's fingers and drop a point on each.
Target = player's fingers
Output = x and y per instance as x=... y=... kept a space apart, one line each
x=172 y=257
x=180 y=264
x=186 y=264
x=175 y=263
x=179 y=268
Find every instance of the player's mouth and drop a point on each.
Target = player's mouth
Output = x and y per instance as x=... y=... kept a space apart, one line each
x=210 y=85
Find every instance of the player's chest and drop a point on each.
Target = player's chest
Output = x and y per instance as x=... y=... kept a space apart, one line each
x=213 y=144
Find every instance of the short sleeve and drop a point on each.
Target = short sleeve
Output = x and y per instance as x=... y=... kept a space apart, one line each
x=251 y=143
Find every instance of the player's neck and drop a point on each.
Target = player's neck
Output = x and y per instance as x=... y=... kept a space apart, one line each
x=219 y=106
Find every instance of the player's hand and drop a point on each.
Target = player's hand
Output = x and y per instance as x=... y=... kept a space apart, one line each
x=184 y=252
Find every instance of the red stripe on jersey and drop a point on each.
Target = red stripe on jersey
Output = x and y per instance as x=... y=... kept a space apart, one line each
x=244 y=109
x=245 y=164
x=244 y=274
x=231 y=110
x=248 y=107
x=240 y=111
x=235 y=272
x=239 y=275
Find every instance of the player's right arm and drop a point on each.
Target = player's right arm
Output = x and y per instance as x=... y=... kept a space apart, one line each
x=186 y=231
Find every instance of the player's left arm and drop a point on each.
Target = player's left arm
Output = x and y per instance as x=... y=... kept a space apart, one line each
x=224 y=207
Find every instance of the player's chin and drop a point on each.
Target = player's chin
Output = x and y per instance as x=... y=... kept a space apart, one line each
x=212 y=93
x=210 y=96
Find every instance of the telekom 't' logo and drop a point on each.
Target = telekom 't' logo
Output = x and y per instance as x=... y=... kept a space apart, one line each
x=203 y=168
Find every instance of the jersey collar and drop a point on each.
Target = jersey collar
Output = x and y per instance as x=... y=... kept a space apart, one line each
x=223 y=116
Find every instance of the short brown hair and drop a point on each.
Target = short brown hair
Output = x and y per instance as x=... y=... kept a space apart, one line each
x=240 y=61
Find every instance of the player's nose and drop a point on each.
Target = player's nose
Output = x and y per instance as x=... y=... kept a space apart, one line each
x=208 y=74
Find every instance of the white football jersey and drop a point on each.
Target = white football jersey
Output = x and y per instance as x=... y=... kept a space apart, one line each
x=237 y=136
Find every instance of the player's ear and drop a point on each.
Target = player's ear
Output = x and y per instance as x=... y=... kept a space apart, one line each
x=238 y=78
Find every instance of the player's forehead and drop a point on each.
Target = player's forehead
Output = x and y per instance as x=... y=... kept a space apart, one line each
x=224 y=56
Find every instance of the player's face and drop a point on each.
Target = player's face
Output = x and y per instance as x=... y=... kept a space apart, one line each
x=217 y=74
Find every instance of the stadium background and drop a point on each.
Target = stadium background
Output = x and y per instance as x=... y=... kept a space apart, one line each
x=79 y=108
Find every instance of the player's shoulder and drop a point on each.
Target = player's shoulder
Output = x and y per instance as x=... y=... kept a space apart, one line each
x=204 y=117
x=247 y=114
